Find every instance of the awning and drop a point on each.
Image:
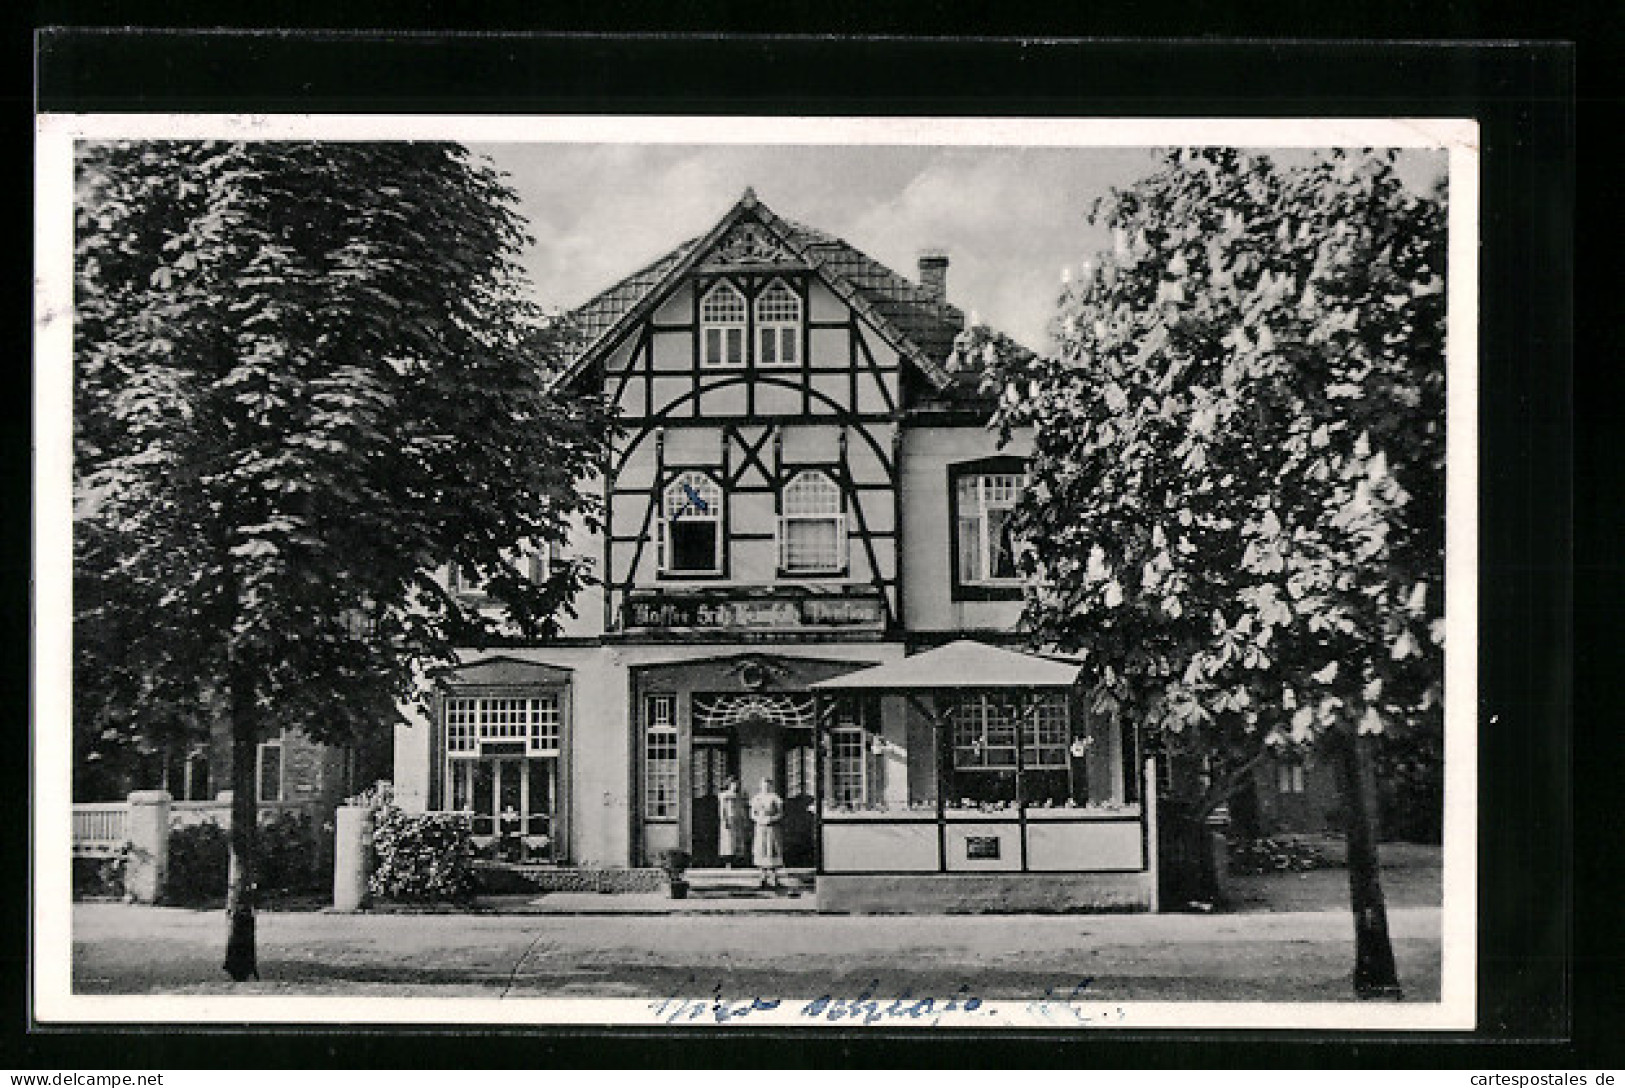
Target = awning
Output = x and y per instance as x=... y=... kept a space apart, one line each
x=964 y=664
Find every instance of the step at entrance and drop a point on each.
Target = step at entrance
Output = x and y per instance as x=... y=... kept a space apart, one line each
x=746 y=880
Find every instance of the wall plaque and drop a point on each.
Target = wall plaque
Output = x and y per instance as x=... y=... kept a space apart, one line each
x=982 y=847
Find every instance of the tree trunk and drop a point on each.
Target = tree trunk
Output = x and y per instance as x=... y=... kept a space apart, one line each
x=241 y=959
x=1375 y=975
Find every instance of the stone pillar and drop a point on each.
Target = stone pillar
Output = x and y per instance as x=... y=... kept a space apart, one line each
x=147 y=870
x=352 y=856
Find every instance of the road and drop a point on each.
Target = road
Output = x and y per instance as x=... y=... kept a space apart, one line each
x=1305 y=955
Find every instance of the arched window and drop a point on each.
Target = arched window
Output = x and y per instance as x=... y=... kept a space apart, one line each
x=691 y=541
x=722 y=326
x=812 y=525
x=778 y=326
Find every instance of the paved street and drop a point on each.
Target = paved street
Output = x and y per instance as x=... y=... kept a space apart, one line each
x=1302 y=955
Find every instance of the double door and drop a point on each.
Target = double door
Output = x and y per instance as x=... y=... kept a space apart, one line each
x=747 y=756
x=512 y=800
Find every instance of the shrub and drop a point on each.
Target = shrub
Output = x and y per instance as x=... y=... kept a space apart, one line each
x=199 y=858
x=99 y=877
x=288 y=854
x=1255 y=856
x=422 y=857
x=674 y=862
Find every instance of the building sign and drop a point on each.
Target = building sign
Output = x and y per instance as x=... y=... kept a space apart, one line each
x=758 y=612
x=980 y=848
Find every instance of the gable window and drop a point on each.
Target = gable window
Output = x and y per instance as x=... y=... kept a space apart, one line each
x=778 y=326
x=691 y=528
x=1289 y=778
x=722 y=326
x=985 y=552
x=812 y=526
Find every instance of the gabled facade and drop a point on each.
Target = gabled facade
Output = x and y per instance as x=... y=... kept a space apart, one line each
x=803 y=485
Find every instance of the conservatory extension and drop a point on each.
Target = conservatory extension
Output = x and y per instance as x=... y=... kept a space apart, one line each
x=968 y=777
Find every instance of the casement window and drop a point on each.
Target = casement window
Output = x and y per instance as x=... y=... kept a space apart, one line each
x=722 y=326
x=812 y=525
x=853 y=776
x=691 y=525
x=660 y=758
x=1289 y=778
x=778 y=326
x=985 y=552
x=268 y=770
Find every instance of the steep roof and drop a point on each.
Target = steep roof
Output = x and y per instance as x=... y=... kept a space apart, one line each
x=918 y=324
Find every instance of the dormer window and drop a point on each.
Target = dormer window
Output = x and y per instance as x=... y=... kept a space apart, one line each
x=691 y=530
x=534 y=560
x=778 y=326
x=722 y=326
x=812 y=526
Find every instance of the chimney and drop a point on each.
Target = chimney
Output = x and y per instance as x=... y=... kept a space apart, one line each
x=934 y=273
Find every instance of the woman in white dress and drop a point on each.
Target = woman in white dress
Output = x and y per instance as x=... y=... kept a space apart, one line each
x=730 y=823
x=767 y=813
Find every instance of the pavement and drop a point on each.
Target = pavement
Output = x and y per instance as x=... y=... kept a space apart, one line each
x=619 y=952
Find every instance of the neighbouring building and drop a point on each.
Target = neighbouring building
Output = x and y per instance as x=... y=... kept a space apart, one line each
x=804 y=488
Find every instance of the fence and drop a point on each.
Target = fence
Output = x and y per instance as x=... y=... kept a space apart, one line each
x=100 y=829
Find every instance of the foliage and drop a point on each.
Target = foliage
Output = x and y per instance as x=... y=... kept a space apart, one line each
x=100 y=877
x=285 y=854
x=198 y=863
x=380 y=794
x=1275 y=855
x=422 y=857
x=1411 y=785
x=674 y=863
x=289 y=856
x=1236 y=510
x=308 y=377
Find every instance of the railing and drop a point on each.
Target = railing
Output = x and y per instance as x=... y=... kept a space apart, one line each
x=101 y=828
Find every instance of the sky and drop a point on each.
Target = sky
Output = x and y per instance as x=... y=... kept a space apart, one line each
x=1010 y=218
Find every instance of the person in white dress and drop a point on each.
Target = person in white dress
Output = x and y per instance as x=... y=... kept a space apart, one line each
x=767 y=813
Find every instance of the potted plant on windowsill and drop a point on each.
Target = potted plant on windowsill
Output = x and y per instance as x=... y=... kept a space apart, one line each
x=675 y=864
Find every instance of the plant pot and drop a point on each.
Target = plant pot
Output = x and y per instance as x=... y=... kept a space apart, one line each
x=677 y=889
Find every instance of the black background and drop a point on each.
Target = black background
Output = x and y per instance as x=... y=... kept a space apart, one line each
x=1540 y=1004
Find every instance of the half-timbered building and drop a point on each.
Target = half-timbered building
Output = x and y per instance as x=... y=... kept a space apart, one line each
x=803 y=487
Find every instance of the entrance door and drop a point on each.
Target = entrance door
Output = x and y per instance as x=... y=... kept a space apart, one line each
x=716 y=759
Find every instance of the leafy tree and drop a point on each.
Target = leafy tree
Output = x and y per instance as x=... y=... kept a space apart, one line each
x=1236 y=509
x=308 y=377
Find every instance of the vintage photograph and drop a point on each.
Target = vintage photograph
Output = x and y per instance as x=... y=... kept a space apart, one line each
x=763 y=571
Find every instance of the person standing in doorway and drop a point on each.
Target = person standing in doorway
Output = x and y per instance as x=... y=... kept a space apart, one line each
x=767 y=813
x=730 y=823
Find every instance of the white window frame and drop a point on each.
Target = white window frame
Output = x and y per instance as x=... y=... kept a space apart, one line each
x=674 y=500
x=281 y=770
x=849 y=768
x=661 y=784
x=724 y=310
x=778 y=326
x=989 y=491
x=1289 y=778
x=804 y=482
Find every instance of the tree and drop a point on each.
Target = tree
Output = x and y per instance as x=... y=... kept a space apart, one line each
x=1236 y=506
x=308 y=377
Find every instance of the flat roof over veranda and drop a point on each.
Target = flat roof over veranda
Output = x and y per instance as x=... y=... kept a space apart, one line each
x=964 y=664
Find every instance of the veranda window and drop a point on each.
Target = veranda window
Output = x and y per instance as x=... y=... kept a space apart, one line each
x=722 y=326
x=812 y=525
x=778 y=326
x=986 y=553
x=691 y=535
x=1053 y=763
